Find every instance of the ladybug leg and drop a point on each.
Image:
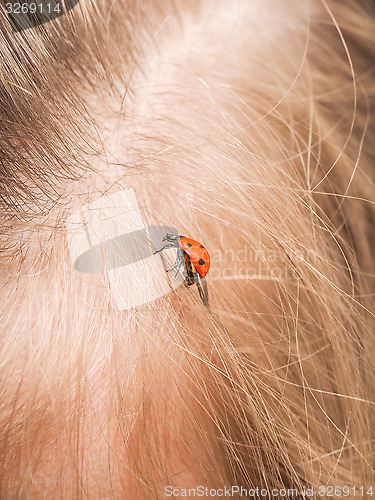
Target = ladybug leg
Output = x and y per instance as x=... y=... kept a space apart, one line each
x=179 y=258
x=179 y=261
x=165 y=247
x=177 y=264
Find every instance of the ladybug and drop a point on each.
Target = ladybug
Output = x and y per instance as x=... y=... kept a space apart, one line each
x=196 y=259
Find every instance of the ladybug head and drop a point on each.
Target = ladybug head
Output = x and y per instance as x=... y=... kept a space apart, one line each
x=170 y=237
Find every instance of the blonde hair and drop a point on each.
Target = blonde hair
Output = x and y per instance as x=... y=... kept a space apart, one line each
x=249 y=128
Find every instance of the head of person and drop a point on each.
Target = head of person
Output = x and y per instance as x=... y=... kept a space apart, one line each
x=247 y=127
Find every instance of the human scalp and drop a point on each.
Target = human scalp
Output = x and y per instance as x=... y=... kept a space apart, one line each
x=247 y=126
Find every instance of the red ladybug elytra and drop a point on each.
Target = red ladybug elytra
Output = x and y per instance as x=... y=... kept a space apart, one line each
x=196 y=259
x=197 y=253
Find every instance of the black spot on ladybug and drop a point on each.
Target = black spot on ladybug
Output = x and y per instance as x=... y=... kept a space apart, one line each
x=201 y=262
x=188 y=244
x=201 y=246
